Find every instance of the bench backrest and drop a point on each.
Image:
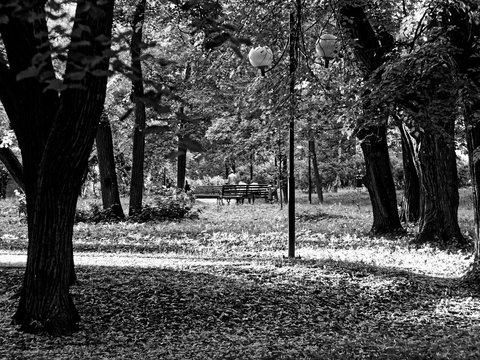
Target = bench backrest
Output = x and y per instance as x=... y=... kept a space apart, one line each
x=234 y=190
x=258 y=190
x=244 y=190
x=208 y=189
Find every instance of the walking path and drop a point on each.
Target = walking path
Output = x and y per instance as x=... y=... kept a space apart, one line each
x=17 y=259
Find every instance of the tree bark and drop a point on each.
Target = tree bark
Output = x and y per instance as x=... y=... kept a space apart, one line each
x=316 y=172
x=55 y=132
x=138 y=156
x=435 y=156
x=410 y=206
x=106 y=165
x=370 y=50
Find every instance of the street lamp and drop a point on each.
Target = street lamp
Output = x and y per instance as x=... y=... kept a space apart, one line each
x=326 y=47
x=261 y=57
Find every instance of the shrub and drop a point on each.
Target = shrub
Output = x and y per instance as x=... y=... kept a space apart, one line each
x=166 y=204
x=95 y=214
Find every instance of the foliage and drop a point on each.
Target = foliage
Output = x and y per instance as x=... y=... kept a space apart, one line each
x=95 y=214
x=166 y=204
x=163 y=205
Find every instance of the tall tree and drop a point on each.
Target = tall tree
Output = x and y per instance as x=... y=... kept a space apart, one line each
x=370 y=48
x=182 y=148
x=106 y=165
x=460 y=22
x=55 y=122
x=422 y=84
x=137 y=178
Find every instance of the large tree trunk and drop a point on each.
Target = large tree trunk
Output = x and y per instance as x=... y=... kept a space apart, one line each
x=138 y=156
x=410 y=205
x=435 y=156
x=55 y=134
x=106 y=165
x=316 y=172
x=379 y=180
x=45 y=302
x=370 y=49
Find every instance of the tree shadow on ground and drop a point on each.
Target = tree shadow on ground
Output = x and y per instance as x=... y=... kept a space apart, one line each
x=298 y=309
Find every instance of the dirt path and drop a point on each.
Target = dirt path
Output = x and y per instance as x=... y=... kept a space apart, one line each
x=17 y=259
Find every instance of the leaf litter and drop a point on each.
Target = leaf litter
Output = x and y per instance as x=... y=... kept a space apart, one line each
x=200 y=291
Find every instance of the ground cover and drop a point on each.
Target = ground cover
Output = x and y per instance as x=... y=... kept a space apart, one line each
x=220 y=288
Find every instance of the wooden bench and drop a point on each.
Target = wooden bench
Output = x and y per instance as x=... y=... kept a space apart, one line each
x=208 y=192
x=237 y=192
x=249 y=192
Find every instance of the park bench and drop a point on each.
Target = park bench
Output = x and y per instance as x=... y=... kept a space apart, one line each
x=208 y=192
x=229 y=192
x=249 y=192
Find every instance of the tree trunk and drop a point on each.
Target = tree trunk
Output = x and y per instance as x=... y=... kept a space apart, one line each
x=45 y=302
x=410 y=206
x=435 y=157
x=181 y=163
x=138 y=156
x=55 y=132
x=106 y=165
x=316 y=172
x=379 y=180
x=13 y=165
x=182 y=149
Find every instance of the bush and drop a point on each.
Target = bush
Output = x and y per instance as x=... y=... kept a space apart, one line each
x=97 y=215
x=166 y=204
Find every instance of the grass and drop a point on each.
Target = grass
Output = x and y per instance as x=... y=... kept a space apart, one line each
x=220 y=287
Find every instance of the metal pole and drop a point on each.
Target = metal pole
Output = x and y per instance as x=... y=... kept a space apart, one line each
x=279 y=182
x=291 y=178
x=309 y=174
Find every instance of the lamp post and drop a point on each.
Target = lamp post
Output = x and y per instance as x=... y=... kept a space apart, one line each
x=261 y=58
x=309 y=174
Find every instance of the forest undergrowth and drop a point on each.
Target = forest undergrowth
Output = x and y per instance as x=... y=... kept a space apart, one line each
x=221 y=287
